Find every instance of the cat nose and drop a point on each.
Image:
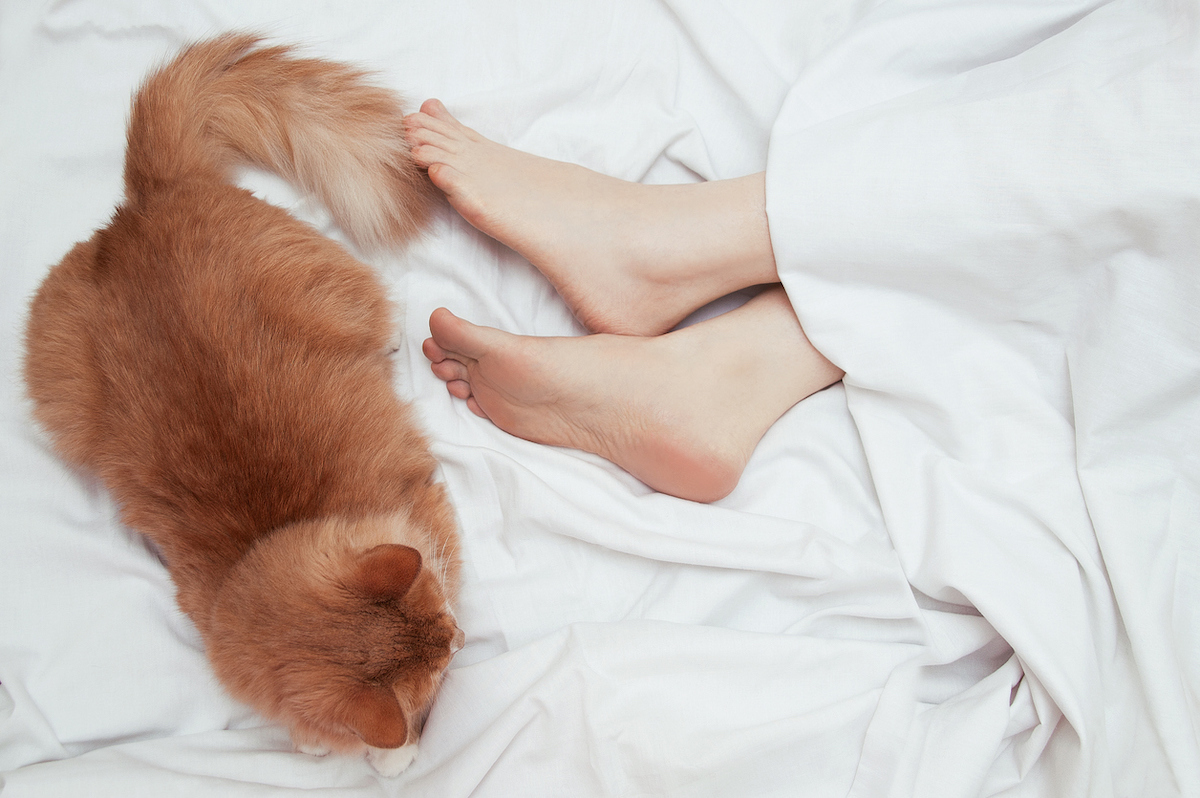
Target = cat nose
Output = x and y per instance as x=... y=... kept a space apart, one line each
x=458 y=641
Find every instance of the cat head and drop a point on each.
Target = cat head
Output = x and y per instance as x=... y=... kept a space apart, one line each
x=343 y=638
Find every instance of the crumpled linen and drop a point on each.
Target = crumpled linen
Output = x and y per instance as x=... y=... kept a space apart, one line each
x=969 y=570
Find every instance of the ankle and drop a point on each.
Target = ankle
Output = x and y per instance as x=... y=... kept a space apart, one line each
x=709 y=239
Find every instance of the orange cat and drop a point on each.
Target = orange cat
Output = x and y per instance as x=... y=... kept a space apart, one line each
x=224 y=370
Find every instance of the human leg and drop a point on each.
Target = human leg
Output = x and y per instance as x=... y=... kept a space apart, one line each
x=627 y=258
x=682 y=412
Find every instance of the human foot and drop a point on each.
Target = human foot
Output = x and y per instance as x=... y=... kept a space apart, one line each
x=682 y=412
x=627 y=258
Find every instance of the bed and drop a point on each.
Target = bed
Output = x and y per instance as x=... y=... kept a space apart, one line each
x=970 y=568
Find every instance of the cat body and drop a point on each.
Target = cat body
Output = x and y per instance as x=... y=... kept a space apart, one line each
x=224 y=370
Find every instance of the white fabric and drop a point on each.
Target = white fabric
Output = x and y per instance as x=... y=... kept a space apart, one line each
x=973 y=570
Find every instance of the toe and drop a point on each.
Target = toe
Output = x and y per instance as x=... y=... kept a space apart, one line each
x=459 y=337
x=434 y=107
x=424 y=135
x=459 y=389
x=428 y=155
x=474 y=407
x=449 y=371
x=433 y=352
x=444 y=176
x=423 y=121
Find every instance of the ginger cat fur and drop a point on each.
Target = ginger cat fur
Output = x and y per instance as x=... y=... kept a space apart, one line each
x=224 y=370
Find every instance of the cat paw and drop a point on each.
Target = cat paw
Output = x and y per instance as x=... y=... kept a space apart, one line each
x=313 y=749
x=392 y=761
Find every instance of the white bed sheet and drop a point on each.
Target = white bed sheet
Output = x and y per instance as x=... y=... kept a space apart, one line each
x=971 y=570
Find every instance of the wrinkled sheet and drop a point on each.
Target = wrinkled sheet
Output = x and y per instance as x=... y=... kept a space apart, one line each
x=972 y=568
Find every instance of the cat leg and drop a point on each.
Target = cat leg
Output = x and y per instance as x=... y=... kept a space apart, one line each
x=313 y=749
x=59 y=364
x=392 y=761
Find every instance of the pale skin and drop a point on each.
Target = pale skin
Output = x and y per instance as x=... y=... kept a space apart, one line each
x=683 y=410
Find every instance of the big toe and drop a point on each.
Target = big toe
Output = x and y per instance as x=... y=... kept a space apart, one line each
x=437 y=110
x=455 y=336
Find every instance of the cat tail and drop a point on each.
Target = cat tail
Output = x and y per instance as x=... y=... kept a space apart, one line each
x=320 y=125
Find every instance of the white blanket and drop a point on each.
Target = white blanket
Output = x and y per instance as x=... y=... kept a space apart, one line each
x=972 y=569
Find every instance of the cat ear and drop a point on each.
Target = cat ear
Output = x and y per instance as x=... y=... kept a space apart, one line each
x=387 y=570
x=374 y=714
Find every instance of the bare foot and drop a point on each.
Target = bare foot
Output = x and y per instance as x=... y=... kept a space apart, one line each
x=682 y=412
x=627 y=258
